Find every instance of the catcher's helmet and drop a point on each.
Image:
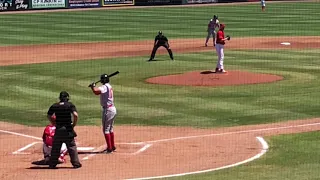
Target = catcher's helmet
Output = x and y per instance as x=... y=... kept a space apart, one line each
x=215 y=17
x=104 y=78
x=160 y=32
x=64 y=96
x=222 y=26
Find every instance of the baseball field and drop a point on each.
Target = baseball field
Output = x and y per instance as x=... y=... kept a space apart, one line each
x=258 y=121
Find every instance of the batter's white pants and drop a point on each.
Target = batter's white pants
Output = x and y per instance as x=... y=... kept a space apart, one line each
x=263 y=3
x=220 y=53
x=108 y=118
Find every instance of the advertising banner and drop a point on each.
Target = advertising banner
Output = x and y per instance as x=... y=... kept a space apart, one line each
x=6 y=5
x=84 y=3
x=21 y=4
x=116 y=2
x=13 y=5
x=46 y=4
x=158 y=2
x=201 y=1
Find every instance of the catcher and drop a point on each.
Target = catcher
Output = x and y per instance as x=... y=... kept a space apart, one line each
x=47 y=139
x=160 y=40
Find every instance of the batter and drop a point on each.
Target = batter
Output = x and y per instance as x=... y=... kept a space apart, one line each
x=109 y=111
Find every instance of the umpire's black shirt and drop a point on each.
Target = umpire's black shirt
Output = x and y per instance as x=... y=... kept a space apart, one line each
x=63 y=111
x=161 y=39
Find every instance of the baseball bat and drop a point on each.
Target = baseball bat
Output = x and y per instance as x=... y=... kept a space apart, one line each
x=110 y=75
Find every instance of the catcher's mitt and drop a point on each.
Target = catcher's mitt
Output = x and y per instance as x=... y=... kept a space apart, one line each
x=228 y=37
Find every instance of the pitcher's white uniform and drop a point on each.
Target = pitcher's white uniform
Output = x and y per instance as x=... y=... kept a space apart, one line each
x=108 y=113
x=212 y=25
x=220 y=49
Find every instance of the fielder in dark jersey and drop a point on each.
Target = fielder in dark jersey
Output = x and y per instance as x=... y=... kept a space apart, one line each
x=160 y=40
x=64 y=110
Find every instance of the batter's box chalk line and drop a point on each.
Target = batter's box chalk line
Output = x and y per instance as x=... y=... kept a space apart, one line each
x=97 y=150
x=19 y=151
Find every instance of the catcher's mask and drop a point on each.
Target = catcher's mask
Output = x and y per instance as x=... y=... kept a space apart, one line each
x=64 y=96
x=160 y=33
x=104 y=78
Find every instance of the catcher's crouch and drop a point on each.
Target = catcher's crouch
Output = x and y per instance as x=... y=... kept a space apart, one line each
x=160 y=40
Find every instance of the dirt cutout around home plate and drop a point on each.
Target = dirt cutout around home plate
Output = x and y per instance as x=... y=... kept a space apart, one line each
x=209 y=78
x=142 y=151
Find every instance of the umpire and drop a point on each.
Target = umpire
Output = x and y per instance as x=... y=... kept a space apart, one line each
x=64 y=110
x=160 y=40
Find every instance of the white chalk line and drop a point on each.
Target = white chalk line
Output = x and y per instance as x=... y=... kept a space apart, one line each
x=263 y=143
x=19 y=134
x=230 y=133
x=19 y=151
x=37 y=138
x=188 y=137
x=100 y=148
x=145 y=147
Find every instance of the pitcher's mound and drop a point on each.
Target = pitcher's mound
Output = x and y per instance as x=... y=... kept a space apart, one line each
x=208 y=78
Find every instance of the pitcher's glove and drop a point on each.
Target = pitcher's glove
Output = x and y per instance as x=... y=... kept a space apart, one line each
x=228 y=37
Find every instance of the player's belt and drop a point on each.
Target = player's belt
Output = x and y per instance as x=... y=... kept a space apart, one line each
x=109 y=106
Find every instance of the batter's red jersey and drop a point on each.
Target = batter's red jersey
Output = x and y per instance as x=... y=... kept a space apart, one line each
x=220 y=36
x=48 y=134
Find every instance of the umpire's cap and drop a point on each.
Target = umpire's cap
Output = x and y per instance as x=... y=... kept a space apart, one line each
x=64 y=96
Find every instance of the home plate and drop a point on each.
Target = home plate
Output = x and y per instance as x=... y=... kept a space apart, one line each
x=285 y=43
x=85 y=148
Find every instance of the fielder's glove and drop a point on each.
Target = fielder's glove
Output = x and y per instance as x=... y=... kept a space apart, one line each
x=228 y=37
x=92 y=85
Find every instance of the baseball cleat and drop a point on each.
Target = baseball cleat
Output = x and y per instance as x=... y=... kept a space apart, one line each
x=114 y=149
x=205 y=44
x=222 y=71
x=53 y=166
x=77 y=166
x=41 y=162
x=107 y=151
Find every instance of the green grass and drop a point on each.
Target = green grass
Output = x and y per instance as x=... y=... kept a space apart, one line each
x=281 y=19
x=291 y=157
x=27 y=91
x=30 y=89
